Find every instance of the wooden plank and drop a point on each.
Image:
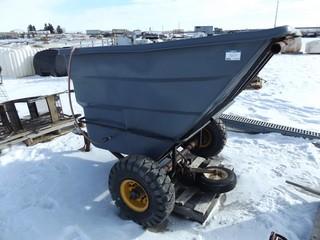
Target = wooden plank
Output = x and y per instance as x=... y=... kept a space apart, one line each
x=14 y=136
x=45 y=129
x=46 y=137
x=193 y=204
x=3 y=116
x=53 y=127
x=316 y=228
x=15 y=141
x=33 y=110
x=187 y=213
x=201 y=213
x=13 y=116
x=51 y=101
x=186 y=195
x=205 y=203
x=17 y=138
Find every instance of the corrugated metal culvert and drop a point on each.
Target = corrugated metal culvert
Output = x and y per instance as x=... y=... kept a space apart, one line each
x=17 y=61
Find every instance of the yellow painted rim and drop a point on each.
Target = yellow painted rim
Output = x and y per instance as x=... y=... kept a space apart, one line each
x=134 y=195
x=206 y=138
x=216 y=174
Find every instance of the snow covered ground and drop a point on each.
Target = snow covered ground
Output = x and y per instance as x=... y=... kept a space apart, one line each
x=53 y=191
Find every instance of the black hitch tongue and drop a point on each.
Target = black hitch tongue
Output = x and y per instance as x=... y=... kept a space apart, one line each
x=276 y=236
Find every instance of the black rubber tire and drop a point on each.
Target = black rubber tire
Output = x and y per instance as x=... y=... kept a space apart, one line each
x=217 y=186
x=217 y=130
x=153 y=179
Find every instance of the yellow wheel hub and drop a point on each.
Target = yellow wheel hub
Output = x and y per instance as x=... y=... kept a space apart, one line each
x=134 y=195
x=206 y=138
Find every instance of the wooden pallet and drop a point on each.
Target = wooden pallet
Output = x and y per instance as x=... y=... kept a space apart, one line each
x=50 y=135
x=192 y=203
x=41 y=134
x=36 y=126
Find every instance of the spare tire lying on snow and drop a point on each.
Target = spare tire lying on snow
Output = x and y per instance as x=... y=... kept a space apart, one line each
x=52 y=62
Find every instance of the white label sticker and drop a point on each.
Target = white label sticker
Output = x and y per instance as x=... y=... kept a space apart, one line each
x=233 y=55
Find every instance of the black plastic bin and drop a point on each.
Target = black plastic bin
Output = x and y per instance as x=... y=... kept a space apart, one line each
x=52 y=62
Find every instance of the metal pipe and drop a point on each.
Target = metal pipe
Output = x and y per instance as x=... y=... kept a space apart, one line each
x=276 y=17
x=0 y=75
x=180 y=156
x=308 y=189
x=277 y=47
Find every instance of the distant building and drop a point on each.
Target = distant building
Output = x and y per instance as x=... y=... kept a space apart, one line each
x=218 y=30
x=206 y=29
x=178 y=31
x=137 y=32
x=18 y=31
x=94 y=32
x=107 y=34
x=120 y=31
x=42 y=32
x=122 y=40
x=152 y=35
x=309 y=31
x=9 y=35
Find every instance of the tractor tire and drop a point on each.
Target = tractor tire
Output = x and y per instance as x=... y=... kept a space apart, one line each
x=222 y=180
x=210 y=140
x=142 y=190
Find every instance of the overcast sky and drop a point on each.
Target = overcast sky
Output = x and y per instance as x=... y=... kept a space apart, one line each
x=79 y=15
